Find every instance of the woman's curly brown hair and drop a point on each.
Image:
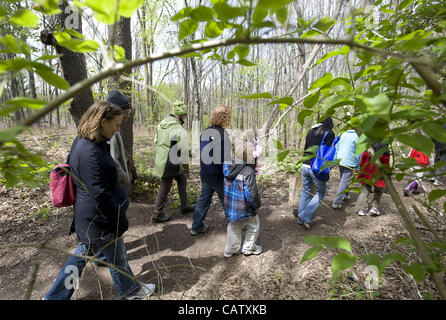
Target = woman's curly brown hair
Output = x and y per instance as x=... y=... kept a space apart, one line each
x=221 y=116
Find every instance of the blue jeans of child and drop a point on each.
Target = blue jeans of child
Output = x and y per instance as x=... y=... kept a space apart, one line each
x=204 y=202
x=307 y=203
x=68 y=279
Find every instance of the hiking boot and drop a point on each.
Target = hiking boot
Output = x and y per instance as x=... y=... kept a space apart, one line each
x=230 y=254
x=160 y=217
x=257 y=250
x=187 y=209
x=146 y=291
x=203 y=229
x=374 y=212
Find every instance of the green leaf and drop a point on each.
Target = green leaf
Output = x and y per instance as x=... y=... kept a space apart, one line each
x=183 y=13
x=417 y=141
x=435 y=131
x=416 y=270
x=259 y=14
x=367 y=71
x=436 y=194
x=25 y=18
x=128 y=7
x=79 y=45
x=378 y=105
x=119 y=53
x=302 y=115
x=324 y=24
x=242 y=50
x=404 y=4
x=48 y=7
x=264 y=95
x=342 y=261
x=277 y=144
x=285 y=100
x=344 y=51
x=282 y=155
x=187 y=27
x=213 y=29
x=326 y=78
x=11 y=133
x=311 y=253
x=26 y=102
x=53 y=79
x=274 y=4
x=282 y=15
x=311 y=100
x=329 y=242
x=225 y=12
x=14 y=45
x=246 y=63
x=202 y=13
x=104 y=10
x=49 y=57
x=371 y=259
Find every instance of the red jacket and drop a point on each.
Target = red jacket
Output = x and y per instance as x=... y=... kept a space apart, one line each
x=369 y=171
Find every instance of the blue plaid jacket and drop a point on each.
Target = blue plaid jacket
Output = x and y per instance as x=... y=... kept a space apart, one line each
x=241 y=195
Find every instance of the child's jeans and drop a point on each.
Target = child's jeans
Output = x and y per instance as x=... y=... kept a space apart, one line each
x=363 y=199
x=234 y=235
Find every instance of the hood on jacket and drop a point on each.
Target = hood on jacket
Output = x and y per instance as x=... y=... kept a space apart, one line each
x=232 y=170
x=169 y=121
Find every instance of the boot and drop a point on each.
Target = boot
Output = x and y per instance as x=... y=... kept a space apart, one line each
x=160 y=217
x=187 y=209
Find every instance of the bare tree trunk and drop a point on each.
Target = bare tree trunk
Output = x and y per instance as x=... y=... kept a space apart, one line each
x=120 y=34
x=73 y=64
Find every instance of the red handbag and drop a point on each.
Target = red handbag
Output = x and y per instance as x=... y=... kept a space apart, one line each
x=61 y=186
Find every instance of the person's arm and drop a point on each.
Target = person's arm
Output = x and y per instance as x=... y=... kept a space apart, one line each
x=251 y=191
x=123 y=177
x=95 y=178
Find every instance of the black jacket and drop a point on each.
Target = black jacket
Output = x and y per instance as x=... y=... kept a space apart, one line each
x=96 y=209
x=314 y=137
x=215 y=148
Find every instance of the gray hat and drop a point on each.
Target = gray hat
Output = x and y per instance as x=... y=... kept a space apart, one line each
x=117 y=97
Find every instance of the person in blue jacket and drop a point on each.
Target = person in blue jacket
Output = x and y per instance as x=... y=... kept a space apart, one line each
x=99 y=221
x=346 y=152
x=215 y=148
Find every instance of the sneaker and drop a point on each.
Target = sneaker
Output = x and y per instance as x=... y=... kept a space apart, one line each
x=346 y=197
x=437 y=183
x=295 y=212
x=336 y=206
x=160 y=217
x=374 y=212
x=146 y=291
x=203 y=229
x=244 y=226
x=362 y=212
x=257 y=250
x=230 y=254
x=187 y=209
x=299 y=221
x=306 y=225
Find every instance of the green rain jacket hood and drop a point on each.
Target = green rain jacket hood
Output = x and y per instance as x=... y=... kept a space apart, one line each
x=170 y=129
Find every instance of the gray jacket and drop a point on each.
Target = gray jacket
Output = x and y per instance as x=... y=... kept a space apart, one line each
x=117 y=152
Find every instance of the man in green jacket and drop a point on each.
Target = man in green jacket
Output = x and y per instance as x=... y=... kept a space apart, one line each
x=172 y=155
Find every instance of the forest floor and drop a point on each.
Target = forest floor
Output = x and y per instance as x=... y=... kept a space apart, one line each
x=193 y=267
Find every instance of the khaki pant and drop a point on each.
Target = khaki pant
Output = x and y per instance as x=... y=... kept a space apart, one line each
x=363 y=198
x=234 y=235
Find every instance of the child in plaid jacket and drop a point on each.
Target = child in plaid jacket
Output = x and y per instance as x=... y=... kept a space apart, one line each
x=241 y=201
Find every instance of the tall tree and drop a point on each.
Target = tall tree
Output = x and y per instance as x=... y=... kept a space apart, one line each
x=73 y=64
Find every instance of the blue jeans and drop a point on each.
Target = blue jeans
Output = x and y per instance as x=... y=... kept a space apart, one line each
x=204 y=202
x=308 y=204
x=68 y=279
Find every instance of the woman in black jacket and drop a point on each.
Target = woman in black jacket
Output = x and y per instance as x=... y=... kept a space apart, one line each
x=98 y=221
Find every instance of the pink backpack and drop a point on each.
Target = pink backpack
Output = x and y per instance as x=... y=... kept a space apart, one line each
x=61 y=186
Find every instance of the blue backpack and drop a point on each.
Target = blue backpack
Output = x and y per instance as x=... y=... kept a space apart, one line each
x=324 y=153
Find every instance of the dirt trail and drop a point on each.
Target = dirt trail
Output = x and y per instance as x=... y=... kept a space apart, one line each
x=188 y=267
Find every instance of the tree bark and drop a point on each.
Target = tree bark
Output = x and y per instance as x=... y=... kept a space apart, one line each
x=120 y=34
x=73 y=64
